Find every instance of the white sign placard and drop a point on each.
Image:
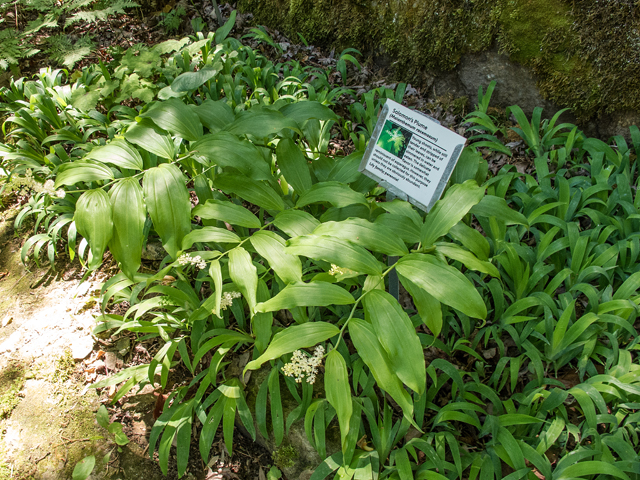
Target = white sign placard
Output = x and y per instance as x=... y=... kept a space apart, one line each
x=411 y=155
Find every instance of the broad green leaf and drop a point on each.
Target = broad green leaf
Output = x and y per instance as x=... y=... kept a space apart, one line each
x=497 y=207
x=82 y=171
x=471 y=239
x=428 y=307
x=275 y=399
x=215 y=115
x=467 y=165
x=443 y=282
x=209 y=234
x=252 y=191
x=85 y=100
x=191 y=80
x=129 y=215
x=467 y=258
x=215 y=272
x=293 y=338
x=345 y=169
x=398 y=337
x=375 y=357
x=304 y=110
x=244 y=275
x=169 y=206
x=403 y=465
x=560 y=329
x=336 y=251
x=293 y=165
x=175 y=117
x=227 y=212
x=227 y=150
x=402 y=208
x=119 y=153
x=151 y=140
x=590 y=468
x=94 y=222
x=210 y=426
x=272 y=247
x=450 y=210
x=628 y=288
x=403 y=226
x=224 y=30
x=510 y=419
x=228 y=423
x=338 y=194
x=295 y=222
x=315 y=294
x=338 y=391
x=372 y=236
x=84 y=468
x=102 y=416
x=260 y=122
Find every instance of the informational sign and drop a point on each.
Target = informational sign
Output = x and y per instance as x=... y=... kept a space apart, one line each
x=411 y=155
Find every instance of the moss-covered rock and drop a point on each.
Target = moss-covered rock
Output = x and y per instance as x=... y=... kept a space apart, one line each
x=585 y=53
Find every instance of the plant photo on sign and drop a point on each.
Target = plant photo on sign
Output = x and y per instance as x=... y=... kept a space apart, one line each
x=269 y=306
x=394 y=139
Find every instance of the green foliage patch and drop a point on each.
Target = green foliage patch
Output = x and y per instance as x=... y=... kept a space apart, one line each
x=585 y=54
x=516 y=338
x=25 y=41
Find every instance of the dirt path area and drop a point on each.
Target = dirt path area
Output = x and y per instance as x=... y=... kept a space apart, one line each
x=48 y=358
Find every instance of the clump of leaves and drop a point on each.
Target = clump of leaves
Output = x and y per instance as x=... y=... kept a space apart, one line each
x=171 y=21
x=67 y=50
x=64 y=367
x=12 y=379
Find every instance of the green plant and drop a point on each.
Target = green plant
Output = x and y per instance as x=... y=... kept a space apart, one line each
x=171 y=21
x=16 y=44
x=61 y=49
x=521 y=290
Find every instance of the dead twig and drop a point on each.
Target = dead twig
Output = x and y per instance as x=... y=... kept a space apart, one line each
x=71 y=440
x=42 y=457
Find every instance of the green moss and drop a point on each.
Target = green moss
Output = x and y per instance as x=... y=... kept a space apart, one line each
x=284 y=456
x=11 y=382
x=64 y=367
x=524 y=24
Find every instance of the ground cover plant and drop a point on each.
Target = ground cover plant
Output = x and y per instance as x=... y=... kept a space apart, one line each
x=512 y=352
x=32 y=26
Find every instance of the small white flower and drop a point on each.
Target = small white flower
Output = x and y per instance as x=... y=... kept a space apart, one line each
x=60 y=193
x=187 y=259
x=302 y=365
x=48 y=188
x=227 y=299
x=336 y=270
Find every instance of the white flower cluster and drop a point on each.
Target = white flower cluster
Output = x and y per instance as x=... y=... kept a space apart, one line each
x=23 y=185
x=336 y=270
x=187 y=259
x=303 y=365
x=227 y=299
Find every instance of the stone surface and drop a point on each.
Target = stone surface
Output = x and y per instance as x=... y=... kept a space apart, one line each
x=153 y=251
x=515 y=84
x=617 y=123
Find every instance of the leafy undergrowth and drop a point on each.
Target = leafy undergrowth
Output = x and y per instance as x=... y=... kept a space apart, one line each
x=511 y=352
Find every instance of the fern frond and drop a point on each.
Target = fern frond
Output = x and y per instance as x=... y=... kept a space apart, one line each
x=91 y=16
x=67 y=53
x=48 y=21
x=10 y=49
x=45 y=6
